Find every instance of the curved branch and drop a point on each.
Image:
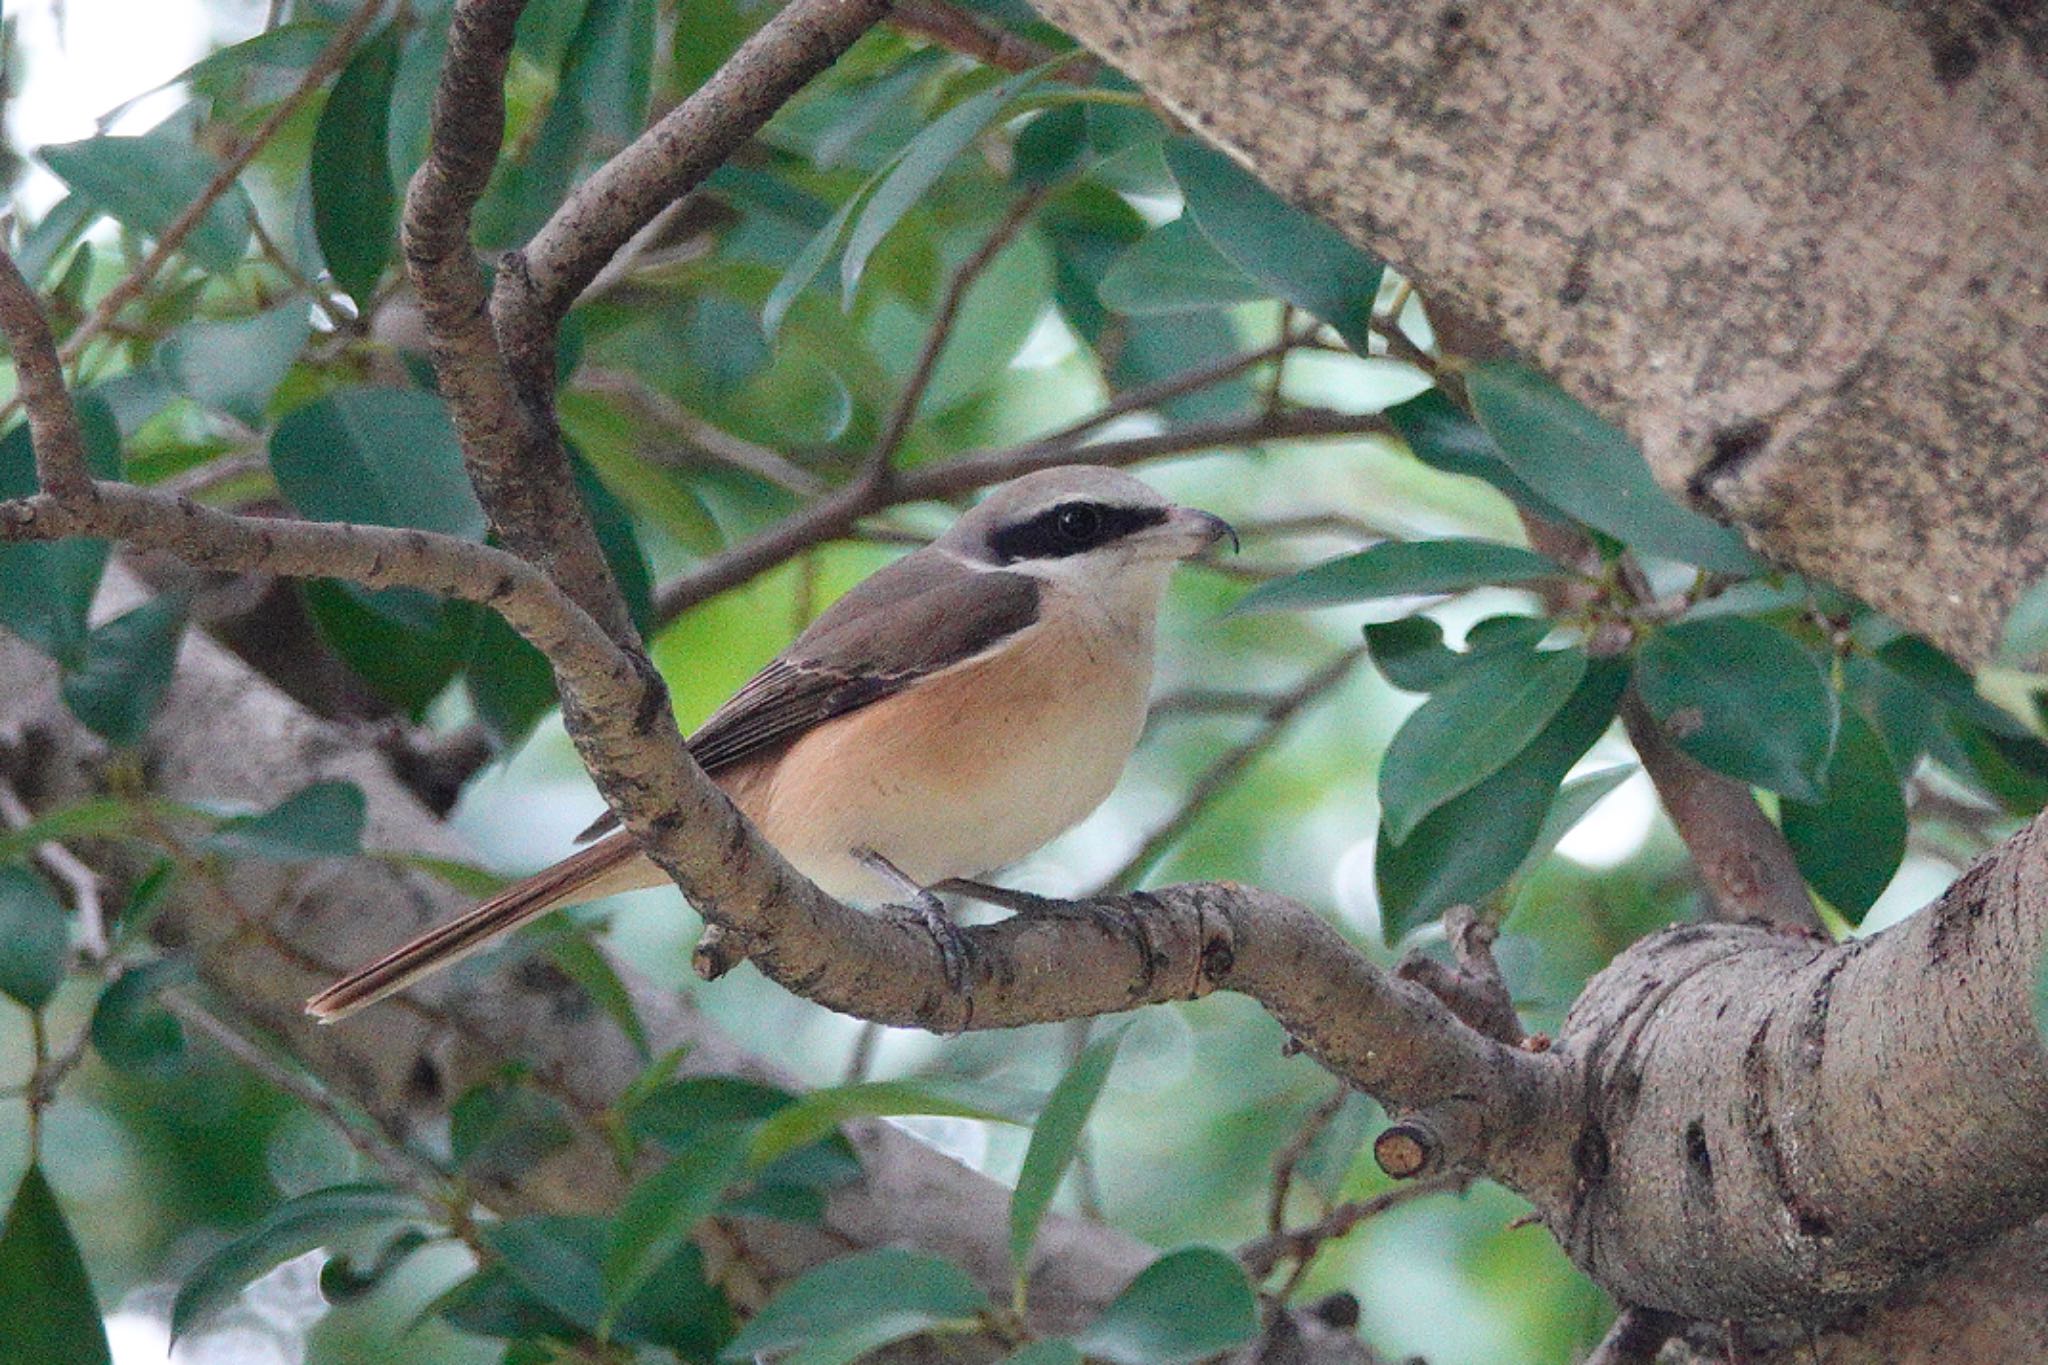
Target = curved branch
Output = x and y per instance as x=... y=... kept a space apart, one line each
x=538 y=284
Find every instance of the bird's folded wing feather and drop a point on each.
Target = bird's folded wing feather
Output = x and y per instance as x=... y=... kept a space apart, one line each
x=922 y=615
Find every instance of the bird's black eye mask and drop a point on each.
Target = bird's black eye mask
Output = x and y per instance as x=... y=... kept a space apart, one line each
x=1070 y=528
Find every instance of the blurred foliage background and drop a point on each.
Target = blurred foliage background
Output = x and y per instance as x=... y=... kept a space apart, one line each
x=1070 y=248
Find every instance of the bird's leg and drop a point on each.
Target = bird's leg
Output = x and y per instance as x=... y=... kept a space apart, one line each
x=1115 y=923
x=929 y=909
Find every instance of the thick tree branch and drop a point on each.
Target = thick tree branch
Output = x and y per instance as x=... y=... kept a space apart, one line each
x=514 y=455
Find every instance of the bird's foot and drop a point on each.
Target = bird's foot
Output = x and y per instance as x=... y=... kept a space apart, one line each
x=925 y=906
x=1116 y=923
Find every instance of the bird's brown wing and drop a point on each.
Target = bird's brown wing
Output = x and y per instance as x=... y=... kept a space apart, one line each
x=919 y=616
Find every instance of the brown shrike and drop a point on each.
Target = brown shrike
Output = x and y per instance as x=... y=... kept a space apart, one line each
x=949 y=715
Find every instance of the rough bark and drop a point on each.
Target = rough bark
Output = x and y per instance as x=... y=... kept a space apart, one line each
x=1796 y=247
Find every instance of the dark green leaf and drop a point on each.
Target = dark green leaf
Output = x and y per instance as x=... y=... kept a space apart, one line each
x=500 y=1130
x=1174 y=269
x=917 y=169
x=1592 y=471
x=1471 y=728
x=2026 y=627
x=1052 y=146
x=46 y=591
x=662 y=1209
x=94 y=815
x=805 y=266
x=1443 y=436
x=2013 y=772
x=147 y=182
x=1941 y=678
x=291 y=1229
x=908 y=1290
x=553 y=1259
x=47 y=1308
x=1850 y=843
x=607 y=67
x=1054 y=1141
x=355 y=204
x=1294 y=254
x=47 y=240
x=412 y=101
x=1334 y=1151
x=1467 y=848
x=1411 y=653
x=406 y=645
x=1400 y=569
x=344 y=1280
x=576 y=955
x=323 y=820
x=236 y=366
x=816 y=1114
x=131 y=1028
x=1185 y=1306
x=1744 y=699
x=387 y=457
x=35 y=942
x=1575 y=801
x=125 y=669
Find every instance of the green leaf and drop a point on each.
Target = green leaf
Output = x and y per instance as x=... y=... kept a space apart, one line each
x=1744 y=699
x=1295 y=255
x=323 y=820
x=1593 y=471
x=236 y=366
x=45 y=243
x=1400 y=569
x=125 y=669
x=386 y=457
x=1575 y=801
x=1174 y=269
x=1443 y=436
x=1941 y=678
x=550 y=1262
x=46 y=590
x=1334 y=1151
x=94 y=815
x=662 y=1209
x=576 y=955
x=1467 y=848
x=47 y=1308
x=547 y=1285
x=2026 y=627
x=355 y=204
x=908 y=1290
x=1051 y=147
x=1054 y=1141
x=805 y=266
x=131 y=1029
x=607 y=67
x=35 y=942
x=916 y=169
x=291 y=1229
x=147 y=182
x=1410 y=653
x=816 y=1114
x=499 y=1130
x=1850 y=843
x=407 y=646
x=1185 y=1306
x=1471 y=728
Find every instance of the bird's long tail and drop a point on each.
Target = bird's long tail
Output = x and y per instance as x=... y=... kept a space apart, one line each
x=608 y=866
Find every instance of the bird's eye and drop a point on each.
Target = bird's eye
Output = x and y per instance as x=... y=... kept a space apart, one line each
x=1077 y=522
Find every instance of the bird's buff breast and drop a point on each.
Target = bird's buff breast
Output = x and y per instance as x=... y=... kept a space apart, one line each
x=967 y=771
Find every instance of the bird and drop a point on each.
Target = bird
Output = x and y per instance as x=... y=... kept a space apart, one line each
x=950 y=714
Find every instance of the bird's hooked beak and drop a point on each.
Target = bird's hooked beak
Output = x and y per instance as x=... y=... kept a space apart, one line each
x=1201 y=530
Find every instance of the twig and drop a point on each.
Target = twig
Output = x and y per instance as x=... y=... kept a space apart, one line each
x=1217 y=777
x=538 y=284
x=904 y=414
x=1262 y=1255
x=712 y=440
x=409 y=1169
x=836 y=515
x=67 y=867
x=61 y=467
x=330 y=60
x=970 y=35
x=1289 y=1156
